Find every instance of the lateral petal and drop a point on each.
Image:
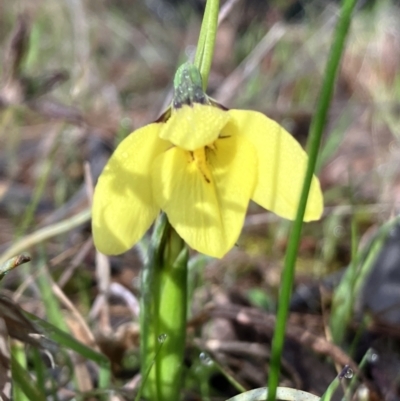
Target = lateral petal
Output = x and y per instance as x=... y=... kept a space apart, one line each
x=207 y=203
x=282 y=165
x=123 y=204
x=193 y=127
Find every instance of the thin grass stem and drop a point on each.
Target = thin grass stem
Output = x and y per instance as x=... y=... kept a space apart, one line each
x=45 y=233
x=316 y=129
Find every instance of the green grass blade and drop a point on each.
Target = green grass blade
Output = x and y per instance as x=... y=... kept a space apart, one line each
x=346 y=373
x=23 y=380
x=40 y=369
x=38 y=192
x=316 y=129
x=53 y=311
x=350 y=285
x=58 y=328
x=67 y=341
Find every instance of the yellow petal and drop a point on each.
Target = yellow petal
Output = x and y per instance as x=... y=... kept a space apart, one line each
x=193 y=127
x=282 y=164
x=206 y=193
x=123 y=204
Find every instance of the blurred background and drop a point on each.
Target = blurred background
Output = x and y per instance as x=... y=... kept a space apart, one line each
x=78 y=76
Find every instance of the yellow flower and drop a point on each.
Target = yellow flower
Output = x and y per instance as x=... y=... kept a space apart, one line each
x=201 y=167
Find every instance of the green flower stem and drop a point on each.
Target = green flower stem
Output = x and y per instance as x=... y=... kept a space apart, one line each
x=163 y=314
x=316 y=129
x=206 y=43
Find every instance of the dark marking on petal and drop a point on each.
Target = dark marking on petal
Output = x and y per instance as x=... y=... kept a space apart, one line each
x=206 y=178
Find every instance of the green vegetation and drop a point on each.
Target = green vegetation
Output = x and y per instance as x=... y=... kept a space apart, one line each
x=76 y=79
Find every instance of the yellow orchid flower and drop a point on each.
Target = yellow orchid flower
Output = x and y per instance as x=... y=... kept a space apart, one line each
x=201 y=167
